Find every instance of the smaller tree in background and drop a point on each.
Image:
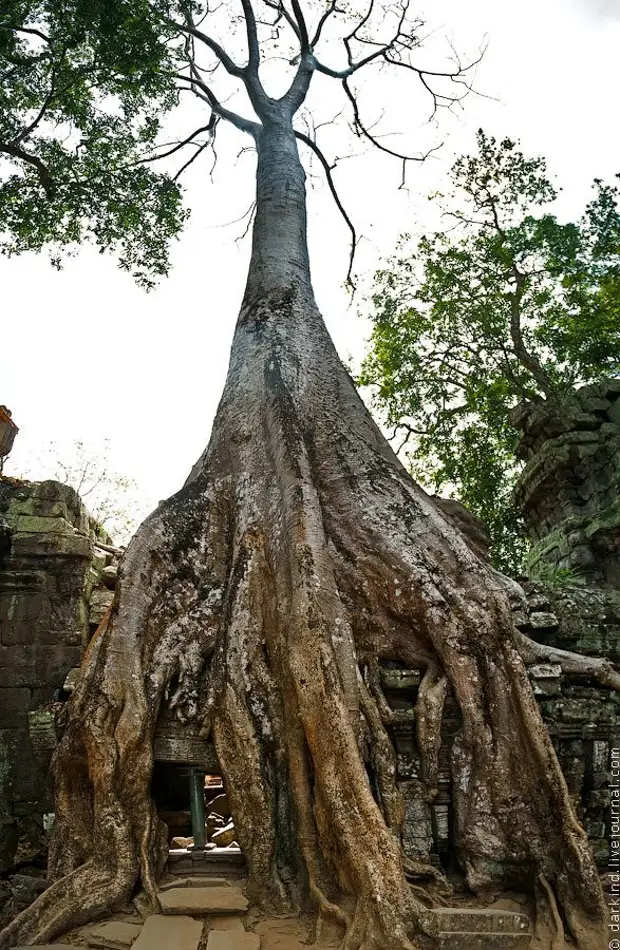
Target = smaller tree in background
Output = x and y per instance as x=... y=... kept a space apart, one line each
x=505 y=304
x=113 y=500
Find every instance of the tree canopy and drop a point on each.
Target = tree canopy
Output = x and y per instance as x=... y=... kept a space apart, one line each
x=83 y=88
x=505 y=303
x=89 y=88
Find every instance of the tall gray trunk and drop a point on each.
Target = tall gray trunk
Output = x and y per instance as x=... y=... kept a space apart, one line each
x=279 y=245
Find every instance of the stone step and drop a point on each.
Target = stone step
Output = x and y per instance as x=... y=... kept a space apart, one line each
x=198 y=901
x=220 y=862
x=166 y=933
x=195 y=880
x=215 y=856
x=114 y=935
x=456 y=940
x=481 y=920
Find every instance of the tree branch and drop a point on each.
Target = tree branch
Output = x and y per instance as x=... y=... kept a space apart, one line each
x=527 y=359
x=241 y=123
x=46 y=103
x=361 y=129
x=281 y=10
x=298 y=90
x=191 y=159
x=16 y=152
x=304 y=39
x=332 y=8
x=252 y=34
x=22 y=29
x=179 y=145
x=227 y=62
x=332 y=187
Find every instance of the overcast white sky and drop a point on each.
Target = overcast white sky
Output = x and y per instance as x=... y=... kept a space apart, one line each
x=87 y=355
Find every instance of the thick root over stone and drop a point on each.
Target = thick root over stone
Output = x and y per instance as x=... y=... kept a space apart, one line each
x=259 y=602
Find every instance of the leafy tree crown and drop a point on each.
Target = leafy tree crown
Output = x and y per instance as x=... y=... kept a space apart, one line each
x=506 y=303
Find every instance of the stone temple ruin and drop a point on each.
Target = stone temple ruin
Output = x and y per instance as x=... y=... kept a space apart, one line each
x=57 y=579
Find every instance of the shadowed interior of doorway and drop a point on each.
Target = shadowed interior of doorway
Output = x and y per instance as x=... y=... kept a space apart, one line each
x=195 y=808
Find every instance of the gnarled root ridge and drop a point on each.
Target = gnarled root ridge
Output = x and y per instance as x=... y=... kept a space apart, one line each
x=259 y=601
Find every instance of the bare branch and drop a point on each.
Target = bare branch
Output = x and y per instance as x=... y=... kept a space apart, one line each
x=23 y=29
x=283 y=13
x=362 y=130
x=298 y=90
x=191 y=159
x=354 y=34
x=332 y=187
x=16 y=152
x=332 y=8
x=250 y=215
x=304 y=39
x=252 y=33
x=179 y=145
x=227 y=62
x=241 y=123
x=353 y=68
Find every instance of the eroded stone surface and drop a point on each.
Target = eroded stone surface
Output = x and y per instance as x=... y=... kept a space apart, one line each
x=169 y=933
x=569 y=490
x=484 y=941
x=114 y=935
x=204 y=881
x=203 y=900
x=455 y=919
x=232 y=940
x=46 y=579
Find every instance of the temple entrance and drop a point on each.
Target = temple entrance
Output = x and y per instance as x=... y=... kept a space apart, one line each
x=194 y=805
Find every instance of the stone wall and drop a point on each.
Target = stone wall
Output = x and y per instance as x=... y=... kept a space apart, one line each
x=569 y=490
x=50 y=601
x=583 y=720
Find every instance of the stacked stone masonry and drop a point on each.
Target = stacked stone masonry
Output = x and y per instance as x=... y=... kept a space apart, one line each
x=583 y=720
x=52 y=593
x=569 y=490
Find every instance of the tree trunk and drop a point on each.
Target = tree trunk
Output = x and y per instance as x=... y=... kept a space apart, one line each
x=260 y=600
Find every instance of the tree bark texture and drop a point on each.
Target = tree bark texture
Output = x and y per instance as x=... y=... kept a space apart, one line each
x=259 y=600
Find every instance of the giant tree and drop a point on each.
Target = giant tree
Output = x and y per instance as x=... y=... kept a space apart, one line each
x=261 y=599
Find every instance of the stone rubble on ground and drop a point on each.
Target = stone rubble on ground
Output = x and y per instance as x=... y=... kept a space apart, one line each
x=225 y=836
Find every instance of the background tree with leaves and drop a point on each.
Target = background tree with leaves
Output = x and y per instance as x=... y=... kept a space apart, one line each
x=506 y=303
x=112 y=499
x=83 y=89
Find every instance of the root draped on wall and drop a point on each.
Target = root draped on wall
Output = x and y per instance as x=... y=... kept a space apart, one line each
x=259 y=601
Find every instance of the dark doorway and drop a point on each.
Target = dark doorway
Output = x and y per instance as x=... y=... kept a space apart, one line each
x=195 y=807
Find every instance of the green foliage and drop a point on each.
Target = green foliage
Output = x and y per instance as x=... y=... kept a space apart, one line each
x=507 y=303
x=551 y=576
x=84 y=86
